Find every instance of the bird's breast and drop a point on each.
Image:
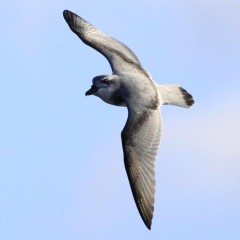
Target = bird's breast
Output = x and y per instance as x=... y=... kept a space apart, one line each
x=140 y=91
x=113 y=98
x=116 y=99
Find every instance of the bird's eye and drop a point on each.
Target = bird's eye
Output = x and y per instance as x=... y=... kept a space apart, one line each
x=105 y=80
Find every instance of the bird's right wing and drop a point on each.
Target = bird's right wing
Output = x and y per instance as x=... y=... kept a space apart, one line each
x=140 y=140
x=120 y=57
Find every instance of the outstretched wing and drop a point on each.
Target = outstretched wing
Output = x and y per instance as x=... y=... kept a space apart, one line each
x=120 y=57
x=140 y=140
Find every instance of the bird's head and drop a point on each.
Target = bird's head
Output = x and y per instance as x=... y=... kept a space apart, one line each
x=104 y=86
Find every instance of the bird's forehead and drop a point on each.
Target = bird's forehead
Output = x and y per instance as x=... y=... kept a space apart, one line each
x=98 y=78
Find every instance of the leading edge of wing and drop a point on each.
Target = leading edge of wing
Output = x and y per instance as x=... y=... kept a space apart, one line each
x=140 y=140
x=117 y=53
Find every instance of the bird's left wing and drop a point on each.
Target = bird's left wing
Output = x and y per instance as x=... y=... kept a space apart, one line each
x=120 y=57
x=140 y=140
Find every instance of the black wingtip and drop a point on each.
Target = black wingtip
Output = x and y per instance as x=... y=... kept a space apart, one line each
x=68 y=15
x=73 y=21
x=147 y=222
x=147 y=219
x=148 y=226
x=65 y=13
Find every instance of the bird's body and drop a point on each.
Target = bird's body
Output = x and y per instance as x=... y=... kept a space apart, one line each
x=131 y=86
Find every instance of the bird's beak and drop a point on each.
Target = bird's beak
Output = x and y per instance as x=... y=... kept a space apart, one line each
x=91 y=91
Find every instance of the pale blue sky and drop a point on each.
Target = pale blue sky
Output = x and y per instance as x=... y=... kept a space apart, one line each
x=62 y=174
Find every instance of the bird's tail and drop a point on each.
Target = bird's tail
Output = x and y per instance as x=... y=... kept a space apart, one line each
x=175 y=95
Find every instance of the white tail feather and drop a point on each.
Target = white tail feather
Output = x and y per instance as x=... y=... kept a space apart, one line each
x=175 y=95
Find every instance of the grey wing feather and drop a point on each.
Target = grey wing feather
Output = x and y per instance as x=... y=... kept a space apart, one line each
x=120 y=57
x=140 y=140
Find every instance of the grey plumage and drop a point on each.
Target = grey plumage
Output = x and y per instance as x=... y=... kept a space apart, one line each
x=130 y=85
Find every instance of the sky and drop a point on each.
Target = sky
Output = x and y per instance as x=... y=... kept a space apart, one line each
x=62 y=174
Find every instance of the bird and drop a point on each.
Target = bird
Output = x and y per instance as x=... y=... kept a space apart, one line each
x=131 y=86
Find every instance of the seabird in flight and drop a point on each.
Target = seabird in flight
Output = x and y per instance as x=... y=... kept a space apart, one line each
x=131 y=86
